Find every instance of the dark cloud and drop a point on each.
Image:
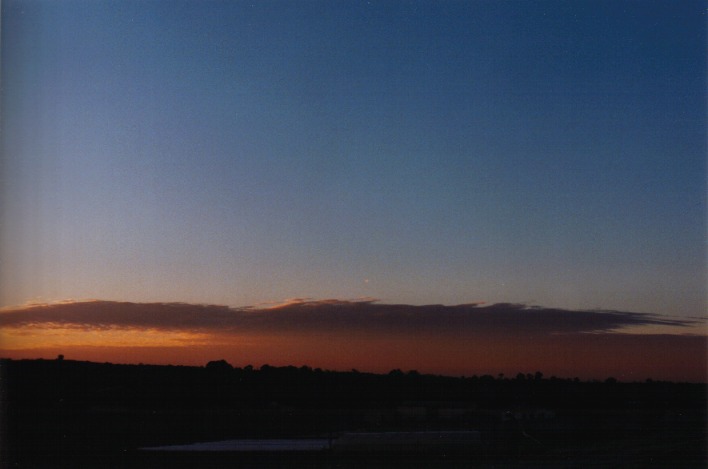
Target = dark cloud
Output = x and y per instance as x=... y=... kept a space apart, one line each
x=333 y=315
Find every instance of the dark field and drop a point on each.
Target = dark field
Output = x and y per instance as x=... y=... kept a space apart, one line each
x=63 y=413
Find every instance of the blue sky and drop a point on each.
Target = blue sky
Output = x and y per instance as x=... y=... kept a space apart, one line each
x=236 y=153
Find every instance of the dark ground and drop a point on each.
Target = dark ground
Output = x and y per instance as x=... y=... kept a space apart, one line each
x=61 y=413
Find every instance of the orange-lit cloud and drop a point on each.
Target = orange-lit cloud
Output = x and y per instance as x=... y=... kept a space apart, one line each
x=367 y=335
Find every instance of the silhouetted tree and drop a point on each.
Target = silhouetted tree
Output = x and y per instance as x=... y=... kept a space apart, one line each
x=219 y=365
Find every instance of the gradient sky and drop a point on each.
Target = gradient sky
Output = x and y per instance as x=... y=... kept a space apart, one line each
x=236 y=153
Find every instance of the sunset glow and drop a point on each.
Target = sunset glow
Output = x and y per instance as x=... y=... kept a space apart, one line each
x=342 y=335
x=459 y=187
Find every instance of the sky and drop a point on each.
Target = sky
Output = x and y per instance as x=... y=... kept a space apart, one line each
x=243 y=154
x=368 y=336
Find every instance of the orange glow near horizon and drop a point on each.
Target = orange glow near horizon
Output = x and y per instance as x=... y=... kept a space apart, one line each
x=15 y=338
x=367 y=337
x=596 y=357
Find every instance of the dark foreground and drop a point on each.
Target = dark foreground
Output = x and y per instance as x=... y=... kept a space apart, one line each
x=77 y=414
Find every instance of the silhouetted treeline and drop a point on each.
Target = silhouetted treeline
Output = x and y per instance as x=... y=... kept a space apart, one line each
x=86 y=384
x=55 y=411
